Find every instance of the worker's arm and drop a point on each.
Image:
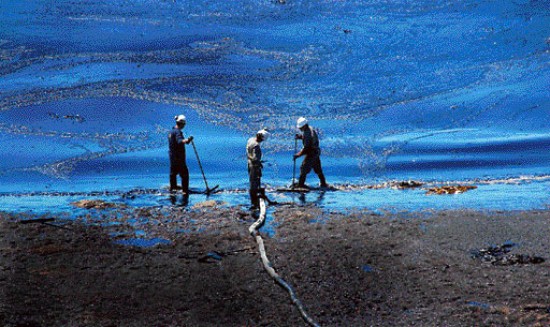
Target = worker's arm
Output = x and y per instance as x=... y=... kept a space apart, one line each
x=308 y=142
x=188 y=140
x=299 y=154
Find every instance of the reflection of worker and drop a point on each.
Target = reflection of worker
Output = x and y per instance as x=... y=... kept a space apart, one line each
x=178 y=164
x=312 y=153
x=254 y=155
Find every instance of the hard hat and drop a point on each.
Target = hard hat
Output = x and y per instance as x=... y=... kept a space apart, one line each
x=301 y=122
x=180 y=119
x=264 y=133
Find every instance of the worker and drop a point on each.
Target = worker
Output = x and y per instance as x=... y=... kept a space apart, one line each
x=311 y=151
x=254 y=155
x=178 y=164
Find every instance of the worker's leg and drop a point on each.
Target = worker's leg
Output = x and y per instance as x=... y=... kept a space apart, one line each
x=319 y=171
x=305 y=168
x=184 y=174
x=255 y=175
x=173 y=177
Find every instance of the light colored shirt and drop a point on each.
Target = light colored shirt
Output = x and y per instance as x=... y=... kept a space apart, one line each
x=253 y=152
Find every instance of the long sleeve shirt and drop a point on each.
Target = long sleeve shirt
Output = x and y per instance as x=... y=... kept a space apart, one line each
x=310 y=140
x=253 y=152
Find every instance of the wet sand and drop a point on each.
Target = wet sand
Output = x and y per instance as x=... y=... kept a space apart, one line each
x=352 y=269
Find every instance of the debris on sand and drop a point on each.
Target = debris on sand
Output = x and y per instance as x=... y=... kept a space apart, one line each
x=518 y=259
x=406 y=184
x=492 y=251
x=498 y=255
x=95 y=204
x=208 y=204
x=451 y=189
x=37 y=220
x=210 y=257
x=543 y=308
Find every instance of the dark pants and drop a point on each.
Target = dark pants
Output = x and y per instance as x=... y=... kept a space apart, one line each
x=311 y=162
x=255 y=179
x=178 y=168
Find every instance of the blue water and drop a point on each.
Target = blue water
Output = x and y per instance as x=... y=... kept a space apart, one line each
x=480 y=305
x=142 y=242
x=435 y=91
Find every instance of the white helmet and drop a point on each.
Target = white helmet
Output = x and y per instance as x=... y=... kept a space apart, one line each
x=264 y=133
x=301 y=122
x=180 y=119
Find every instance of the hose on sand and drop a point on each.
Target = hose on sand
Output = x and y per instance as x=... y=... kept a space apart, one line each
x=253 y=230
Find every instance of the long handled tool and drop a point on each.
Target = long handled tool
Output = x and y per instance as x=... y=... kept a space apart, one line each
x=208 y=190
x=293 y=187
x=294 y=168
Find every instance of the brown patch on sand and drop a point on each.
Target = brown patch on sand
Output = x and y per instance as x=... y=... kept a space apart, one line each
x=456 y=189
x=95 y=204
x=208 y=204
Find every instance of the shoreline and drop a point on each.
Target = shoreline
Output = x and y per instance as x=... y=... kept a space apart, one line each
x=357 y=268
x=390 y=196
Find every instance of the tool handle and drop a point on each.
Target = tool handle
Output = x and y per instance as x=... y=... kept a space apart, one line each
x=294 y=167
x=200 y=165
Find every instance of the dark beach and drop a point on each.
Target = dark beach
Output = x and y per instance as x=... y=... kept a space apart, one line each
x=407 y=96
x=349 y=269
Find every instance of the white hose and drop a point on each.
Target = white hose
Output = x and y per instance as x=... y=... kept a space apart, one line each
x=253 y=230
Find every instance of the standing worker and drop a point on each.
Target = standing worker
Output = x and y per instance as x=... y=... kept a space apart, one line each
x=254 y=155
x=178 y=163
x=311 y=150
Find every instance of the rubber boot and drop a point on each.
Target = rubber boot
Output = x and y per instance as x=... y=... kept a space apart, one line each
x=323 y=180
x=301 y=182
x=185 y=180
x=173 y=182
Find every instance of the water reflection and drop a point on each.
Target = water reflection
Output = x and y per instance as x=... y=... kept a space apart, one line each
x=184 y=200
x=311 y=198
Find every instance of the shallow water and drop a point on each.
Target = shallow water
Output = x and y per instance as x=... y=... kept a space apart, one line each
x=435 y=91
